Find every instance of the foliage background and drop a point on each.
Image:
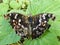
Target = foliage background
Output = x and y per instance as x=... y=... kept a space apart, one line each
x=7 y=34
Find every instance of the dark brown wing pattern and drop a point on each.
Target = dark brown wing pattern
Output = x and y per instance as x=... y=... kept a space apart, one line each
x=29 y=26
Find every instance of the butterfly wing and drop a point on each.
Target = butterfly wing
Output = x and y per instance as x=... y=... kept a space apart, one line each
x=19 y=23
x=41 y=24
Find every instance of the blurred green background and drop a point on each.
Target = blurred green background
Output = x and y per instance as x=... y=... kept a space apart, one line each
x=26 y=7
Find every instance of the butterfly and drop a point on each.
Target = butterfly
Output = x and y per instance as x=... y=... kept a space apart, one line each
x=29 y=26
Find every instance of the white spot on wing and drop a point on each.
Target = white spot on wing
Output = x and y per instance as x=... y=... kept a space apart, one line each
x=19 y=34
x=25 y=28
x=45 y=21
x=16 y=16
x=34 y=28
x=22 y=26
x=39 y=24
x=43 y=16
x=10 y=14
x=19 y=24
x=19 y=20
x=39 y=20
x=13 y=20
x=49 y=15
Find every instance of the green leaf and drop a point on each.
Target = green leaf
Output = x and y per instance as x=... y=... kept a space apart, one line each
x=55 y=28
x=3 y=8
x=7 y=34
x=42 y=6
x=5 y=1
x=15 y=5
x=17 y=11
